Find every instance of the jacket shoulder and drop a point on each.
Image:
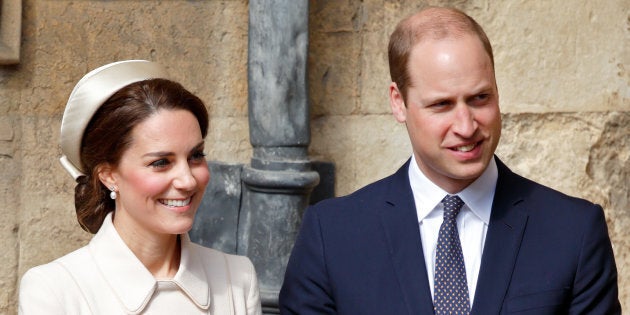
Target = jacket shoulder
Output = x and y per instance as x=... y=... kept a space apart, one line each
x=60 y=268
x=375 y=193
x=542 y=199
x=51 y=287
x=238 y=269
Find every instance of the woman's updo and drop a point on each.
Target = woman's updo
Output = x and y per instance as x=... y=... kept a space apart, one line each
x=108 y=135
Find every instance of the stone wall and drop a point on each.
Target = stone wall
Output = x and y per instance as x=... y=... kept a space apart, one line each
x=561 y=67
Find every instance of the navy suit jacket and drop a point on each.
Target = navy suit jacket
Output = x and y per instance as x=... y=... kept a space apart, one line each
x=545 y=253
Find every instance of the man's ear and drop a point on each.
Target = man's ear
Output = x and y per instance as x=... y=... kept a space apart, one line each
x=106 y=175
x=397 y=103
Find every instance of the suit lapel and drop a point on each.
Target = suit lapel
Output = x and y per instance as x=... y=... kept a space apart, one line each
x=402 y=234
x=505 y=232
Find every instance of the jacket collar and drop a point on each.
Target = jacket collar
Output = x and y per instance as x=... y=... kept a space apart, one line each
x=402 y=234
x=129 y=279
x=508 y=221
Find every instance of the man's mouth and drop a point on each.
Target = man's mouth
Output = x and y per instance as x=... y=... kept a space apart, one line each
x=465 y=148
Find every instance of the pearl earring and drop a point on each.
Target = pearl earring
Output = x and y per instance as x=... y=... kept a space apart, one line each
x=112 y=193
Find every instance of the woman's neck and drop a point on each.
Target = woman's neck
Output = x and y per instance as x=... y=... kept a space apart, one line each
x=159 y=253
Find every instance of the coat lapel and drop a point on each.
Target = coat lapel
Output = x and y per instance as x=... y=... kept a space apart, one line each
x=505 y=232
x=402 y=234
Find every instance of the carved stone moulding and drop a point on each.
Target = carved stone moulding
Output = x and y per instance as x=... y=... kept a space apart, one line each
x=10 y=31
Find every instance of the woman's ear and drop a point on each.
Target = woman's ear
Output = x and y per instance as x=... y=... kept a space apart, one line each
x=106 y=175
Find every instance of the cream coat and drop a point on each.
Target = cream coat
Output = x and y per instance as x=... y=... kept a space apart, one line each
x=105 y=277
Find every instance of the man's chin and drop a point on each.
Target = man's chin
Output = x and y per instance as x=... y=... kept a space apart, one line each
x=469 y=172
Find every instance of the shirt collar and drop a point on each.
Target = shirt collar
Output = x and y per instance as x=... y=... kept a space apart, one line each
x=477 y=196
x=129 y=279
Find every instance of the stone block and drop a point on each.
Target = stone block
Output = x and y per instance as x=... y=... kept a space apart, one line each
x=357 y=151
x=6 y=136
x=333 y=72
x=550 y=59
x=375 y=79
x=228 y=140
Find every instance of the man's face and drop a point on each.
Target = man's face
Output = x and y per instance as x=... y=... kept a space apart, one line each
x=452 y=110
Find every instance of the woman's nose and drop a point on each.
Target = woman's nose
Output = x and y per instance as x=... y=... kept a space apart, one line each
x=184 y=179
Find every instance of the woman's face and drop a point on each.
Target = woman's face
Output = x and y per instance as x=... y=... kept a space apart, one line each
x=162 y=176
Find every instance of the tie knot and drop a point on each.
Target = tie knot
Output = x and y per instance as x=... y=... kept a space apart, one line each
x=452 y=205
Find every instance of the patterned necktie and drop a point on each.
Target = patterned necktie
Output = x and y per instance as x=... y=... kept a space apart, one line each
x=450 y=287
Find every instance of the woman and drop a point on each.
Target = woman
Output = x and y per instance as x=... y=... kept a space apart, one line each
x=134 y=142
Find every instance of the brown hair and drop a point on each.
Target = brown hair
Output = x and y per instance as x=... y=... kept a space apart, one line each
x=431 y=23
x=108 y=135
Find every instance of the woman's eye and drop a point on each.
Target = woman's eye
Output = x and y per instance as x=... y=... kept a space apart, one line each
x=160 y=163
x=198 y=156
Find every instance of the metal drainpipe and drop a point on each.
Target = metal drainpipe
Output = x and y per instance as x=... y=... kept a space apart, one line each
x=279 y=179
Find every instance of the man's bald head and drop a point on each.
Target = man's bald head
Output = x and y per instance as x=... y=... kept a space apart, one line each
x=433 y=23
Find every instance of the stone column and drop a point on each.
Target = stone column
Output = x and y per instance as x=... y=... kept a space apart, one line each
x=280 y=179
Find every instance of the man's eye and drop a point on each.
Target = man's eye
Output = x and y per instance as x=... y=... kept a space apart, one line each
x=440 y=104
x=481 y=97
x=160 y=163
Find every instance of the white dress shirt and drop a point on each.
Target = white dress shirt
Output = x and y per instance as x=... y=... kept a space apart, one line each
x=105 y=277
x=472 y=221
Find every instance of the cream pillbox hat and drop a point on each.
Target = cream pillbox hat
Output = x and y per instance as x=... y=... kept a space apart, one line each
x=89 y=94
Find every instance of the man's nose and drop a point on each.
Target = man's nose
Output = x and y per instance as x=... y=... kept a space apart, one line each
x=464 y=123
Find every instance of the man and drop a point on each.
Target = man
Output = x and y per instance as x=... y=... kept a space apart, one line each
x=406 y=245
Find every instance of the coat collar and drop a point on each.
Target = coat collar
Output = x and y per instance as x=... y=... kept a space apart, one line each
x=132 y=283
x=503 y=241
x=402 y=234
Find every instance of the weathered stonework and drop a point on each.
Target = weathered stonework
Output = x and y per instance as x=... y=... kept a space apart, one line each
x=562 y=77
x=9 y=197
